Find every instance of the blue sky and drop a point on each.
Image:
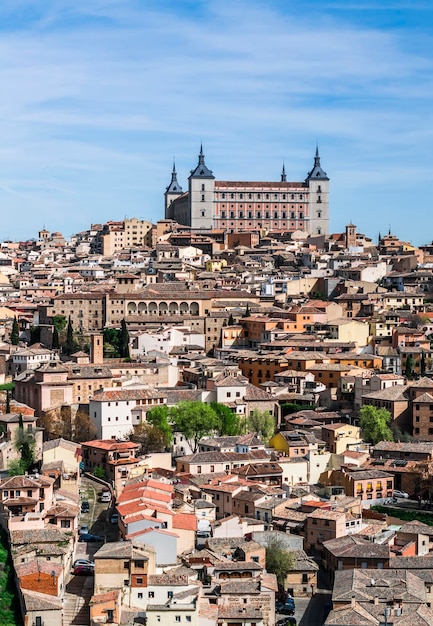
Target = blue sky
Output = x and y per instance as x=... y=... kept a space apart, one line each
x=97 y=96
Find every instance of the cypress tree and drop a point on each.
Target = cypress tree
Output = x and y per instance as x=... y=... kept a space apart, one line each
x=124 y=340
x=15 y=334
x=70 y=343
x=55 y=341
x=423 y=364
x=408 y=371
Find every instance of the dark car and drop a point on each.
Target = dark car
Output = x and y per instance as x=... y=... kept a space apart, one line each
x=286 y=609
x=89 y=538
x=85 y=507
x=286 y=621
x=84 y=570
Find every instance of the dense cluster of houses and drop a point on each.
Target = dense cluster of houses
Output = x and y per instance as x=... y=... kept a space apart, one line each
x=306 y=328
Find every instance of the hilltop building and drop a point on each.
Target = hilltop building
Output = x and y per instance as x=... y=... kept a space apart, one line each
x=250 y=206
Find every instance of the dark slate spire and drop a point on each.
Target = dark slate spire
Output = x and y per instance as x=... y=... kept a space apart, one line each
x=283 y=174
x=201 y=171
x=317 y=173
x=174 y=186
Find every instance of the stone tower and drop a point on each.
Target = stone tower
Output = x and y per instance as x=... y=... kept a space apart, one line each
x=318 y=185
x=97 y=348
x=201 y=187
x=350 y=236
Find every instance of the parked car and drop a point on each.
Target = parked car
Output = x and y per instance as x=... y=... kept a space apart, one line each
x=89 y=538
x=285 y=608
x=84 y=570
x=84 y=529
x=85 y=507
x=400 y=494
x=114 y=517
x=106 y=497
x=83 y=562
x=286 y=621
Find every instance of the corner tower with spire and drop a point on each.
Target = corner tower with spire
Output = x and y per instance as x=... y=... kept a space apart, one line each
x=174 y=190
x=318 y=185
x=201 y=194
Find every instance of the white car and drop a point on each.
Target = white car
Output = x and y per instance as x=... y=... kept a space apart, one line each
x=400 y=494
x=85 y=562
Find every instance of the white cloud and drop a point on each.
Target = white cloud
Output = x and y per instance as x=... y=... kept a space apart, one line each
x=107 y=92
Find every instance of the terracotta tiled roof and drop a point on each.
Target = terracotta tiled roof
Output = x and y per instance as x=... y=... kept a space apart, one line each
x=104 y=597
x=109 y=445
x=128 y=394
x=184 y=521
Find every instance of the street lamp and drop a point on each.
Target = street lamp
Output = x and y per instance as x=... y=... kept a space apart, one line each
x=312 y=589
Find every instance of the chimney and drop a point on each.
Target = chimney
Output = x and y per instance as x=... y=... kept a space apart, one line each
x=376 y=600
x=353 y=601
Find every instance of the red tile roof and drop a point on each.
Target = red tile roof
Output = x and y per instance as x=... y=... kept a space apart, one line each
x=185 y=521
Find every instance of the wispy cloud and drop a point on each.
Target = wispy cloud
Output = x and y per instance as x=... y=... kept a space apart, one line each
x=104 y=93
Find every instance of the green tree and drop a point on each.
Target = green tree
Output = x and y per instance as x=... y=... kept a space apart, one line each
x=16 y=468
x=15 y=333
x=70 y=345
x=423 y=365
x=150 y=437
x=262 y=423
x=375 y=424
x=35 y=334
x=291 y=407
x=84 y=429
x=158 y=417
x=194 y=420
x=99 y=472
x=247 y=311
x=124 y=340
x=279 y=560
x=230 y=423
x=55 y=341
x=408 y=370
x=111 y=342
x=231 y=320
x=8 y=401
x=59 y=322
x=25 y=444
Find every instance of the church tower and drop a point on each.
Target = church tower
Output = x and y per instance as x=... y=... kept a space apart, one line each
x=350 y=236
x=318 y=185
x=201 y=188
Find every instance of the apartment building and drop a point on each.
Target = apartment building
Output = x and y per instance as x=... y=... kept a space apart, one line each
x=112 y=411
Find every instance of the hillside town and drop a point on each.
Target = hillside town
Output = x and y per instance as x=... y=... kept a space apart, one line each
x=205 y=422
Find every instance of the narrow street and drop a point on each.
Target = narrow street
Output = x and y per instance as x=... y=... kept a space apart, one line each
x=79 y=589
